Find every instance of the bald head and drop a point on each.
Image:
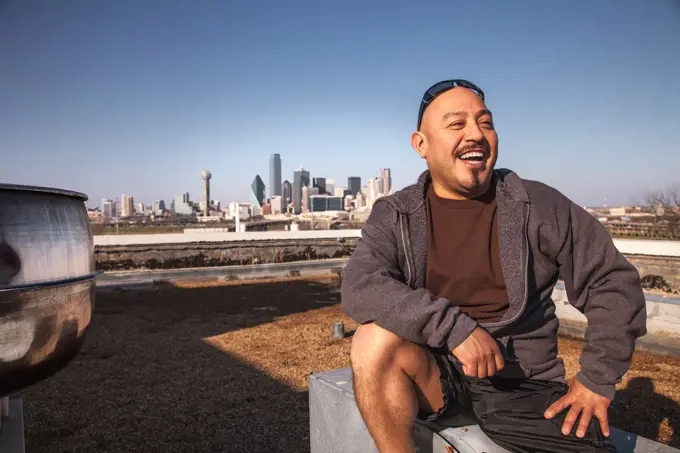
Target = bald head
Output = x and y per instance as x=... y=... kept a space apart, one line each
x=450 y=104
x=458 y=140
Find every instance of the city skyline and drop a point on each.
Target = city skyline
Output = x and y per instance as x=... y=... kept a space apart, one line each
x=324 y=183
x=88 y=108
x=311 y=186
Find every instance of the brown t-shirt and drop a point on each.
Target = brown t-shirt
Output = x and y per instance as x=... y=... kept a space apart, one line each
x=463 y=261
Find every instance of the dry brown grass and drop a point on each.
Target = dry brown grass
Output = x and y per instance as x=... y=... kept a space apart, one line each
x=203 y=368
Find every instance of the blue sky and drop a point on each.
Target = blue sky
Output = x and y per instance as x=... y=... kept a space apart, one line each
x=139 y=96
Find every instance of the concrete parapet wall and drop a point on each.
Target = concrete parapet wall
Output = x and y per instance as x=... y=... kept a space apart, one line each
x=212 y=254
x=663 y=321
x=668 y=268
x=174 y=251
x=648 y=247
x=198 y=236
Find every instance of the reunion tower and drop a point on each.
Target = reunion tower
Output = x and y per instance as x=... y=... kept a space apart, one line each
x=206 y=175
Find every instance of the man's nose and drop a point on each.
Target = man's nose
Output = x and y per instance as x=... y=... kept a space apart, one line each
x=473 y=132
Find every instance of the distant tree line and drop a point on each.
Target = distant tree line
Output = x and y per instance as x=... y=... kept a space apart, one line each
x=665 y=206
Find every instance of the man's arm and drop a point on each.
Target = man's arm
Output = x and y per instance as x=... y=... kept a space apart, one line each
x=604 y=286
x=373 y=290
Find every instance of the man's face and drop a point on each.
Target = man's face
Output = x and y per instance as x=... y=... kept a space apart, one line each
x=458 y=140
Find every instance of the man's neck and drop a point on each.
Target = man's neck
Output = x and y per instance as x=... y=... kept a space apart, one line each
x=444 y=192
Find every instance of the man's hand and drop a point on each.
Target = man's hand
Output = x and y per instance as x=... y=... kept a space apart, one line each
x=479 y=354
x=584 y=402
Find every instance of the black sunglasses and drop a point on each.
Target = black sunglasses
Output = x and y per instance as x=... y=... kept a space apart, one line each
x=440 y=87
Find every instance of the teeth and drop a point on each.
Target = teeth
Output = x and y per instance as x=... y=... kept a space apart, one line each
x=472 y=155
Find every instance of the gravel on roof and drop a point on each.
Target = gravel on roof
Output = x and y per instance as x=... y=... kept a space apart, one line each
x=223 y=367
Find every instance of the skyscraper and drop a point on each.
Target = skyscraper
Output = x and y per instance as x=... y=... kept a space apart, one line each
x=320 y=183
x=127 y=205
x=286 y=194
x=300 y=179
x=373 y=190
x=354 y=185
x=305 y=199
x=330 y=186
x=257 y=192
x=274 y=175
x=108 y=208
x=360 y=200
x=182 y=205
x=385 y=176
x=123 y=207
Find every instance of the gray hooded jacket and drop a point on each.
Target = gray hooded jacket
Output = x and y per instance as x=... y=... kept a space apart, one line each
x=543 y=236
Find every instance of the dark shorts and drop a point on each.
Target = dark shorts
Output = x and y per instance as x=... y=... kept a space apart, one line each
x=510 y=411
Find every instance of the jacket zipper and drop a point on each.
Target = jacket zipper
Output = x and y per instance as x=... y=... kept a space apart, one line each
x=406 y=241
x=407 y=248
x=525 y=252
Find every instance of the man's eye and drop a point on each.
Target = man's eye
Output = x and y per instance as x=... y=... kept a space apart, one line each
x=457 y=125
x=487 y=123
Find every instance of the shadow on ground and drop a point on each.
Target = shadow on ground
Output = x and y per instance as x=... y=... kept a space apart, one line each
x=657 y=409
x=145 y=381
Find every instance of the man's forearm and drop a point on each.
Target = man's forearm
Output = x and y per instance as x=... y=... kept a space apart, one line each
x=373 y=290
x=415 y=315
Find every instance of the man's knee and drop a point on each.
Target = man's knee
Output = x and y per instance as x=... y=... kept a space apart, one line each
x=371 y=344
x=375 y=348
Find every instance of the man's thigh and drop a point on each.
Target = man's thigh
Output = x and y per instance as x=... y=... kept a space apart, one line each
x=380 y=362
x=511 y=413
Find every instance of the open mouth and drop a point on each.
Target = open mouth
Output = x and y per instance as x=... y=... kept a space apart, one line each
x=473 y=158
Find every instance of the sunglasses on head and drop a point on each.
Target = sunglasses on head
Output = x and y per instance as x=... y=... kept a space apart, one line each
x=440 y=87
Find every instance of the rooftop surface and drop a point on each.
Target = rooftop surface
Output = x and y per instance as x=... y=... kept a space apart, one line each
x=203 y=367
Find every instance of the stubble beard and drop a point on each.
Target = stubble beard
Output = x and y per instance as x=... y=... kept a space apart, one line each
x=474 y=184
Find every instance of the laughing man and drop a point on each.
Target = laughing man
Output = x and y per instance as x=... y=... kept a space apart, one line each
x=451 y=284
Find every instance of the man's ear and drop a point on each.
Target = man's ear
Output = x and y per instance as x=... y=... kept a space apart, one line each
x=419 y=143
